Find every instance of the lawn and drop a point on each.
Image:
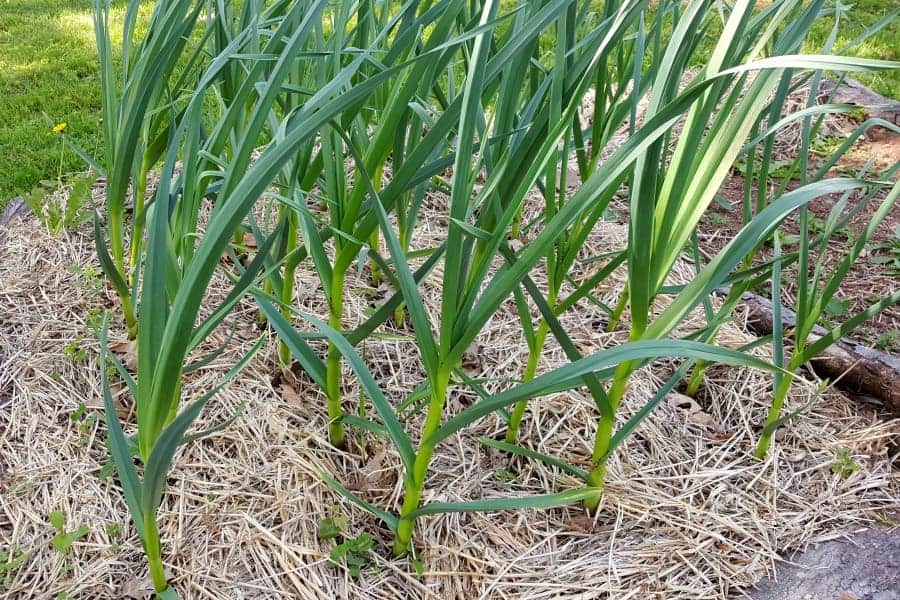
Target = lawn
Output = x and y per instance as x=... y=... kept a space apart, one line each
x=48 y=67
x=885 y=45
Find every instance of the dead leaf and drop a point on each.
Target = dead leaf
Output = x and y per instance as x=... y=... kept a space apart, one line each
x=696 y=415
x=356 y=483
x=721 y=436
x=798 y=456
x=127 y=352
x=248 y=245
x=138 y=589
x=289 y=394
x=580 y=523
x=471 y=362
x=376 y=475
x=705 y=420
x=119 y=393
x=682 y=402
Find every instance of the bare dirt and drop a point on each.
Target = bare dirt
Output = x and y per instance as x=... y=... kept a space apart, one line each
x=867 y=281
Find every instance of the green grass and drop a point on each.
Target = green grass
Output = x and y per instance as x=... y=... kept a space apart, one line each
x=48 y=65
x=885 y=45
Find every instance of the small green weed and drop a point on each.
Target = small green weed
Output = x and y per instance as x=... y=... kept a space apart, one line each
x=74 y=351
x=419 y=566
x=837 y=307
x=63 y=539
x=114 y=531
x=887 y=253
x=332 y=527
x=85 y=419
x=94 y=319
x=10 y=560
x=57 y=210
x=91 y=277
x=354 y=551
x=20 y=488
x=505 y=477
x=107 y=470
x=715 y=219
x=843 y=464
x=884 y=519
x=889 y=341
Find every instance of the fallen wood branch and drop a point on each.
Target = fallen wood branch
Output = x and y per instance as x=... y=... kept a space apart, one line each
x=856 y=368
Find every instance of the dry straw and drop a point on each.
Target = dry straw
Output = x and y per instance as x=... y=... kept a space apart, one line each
x=686 y=512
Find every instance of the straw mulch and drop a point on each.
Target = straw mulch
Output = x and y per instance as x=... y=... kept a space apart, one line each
x=687 y=512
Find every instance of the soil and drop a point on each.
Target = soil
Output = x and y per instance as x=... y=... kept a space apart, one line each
x=867 y=281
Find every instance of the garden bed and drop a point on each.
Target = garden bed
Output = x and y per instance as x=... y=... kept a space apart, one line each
x=687 y=512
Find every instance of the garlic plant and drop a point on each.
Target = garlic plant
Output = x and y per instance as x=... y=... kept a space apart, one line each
x=671 y=190
x=138 y=113
x=816 y=290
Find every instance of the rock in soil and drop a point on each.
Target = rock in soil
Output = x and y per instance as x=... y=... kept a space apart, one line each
x=865 y=567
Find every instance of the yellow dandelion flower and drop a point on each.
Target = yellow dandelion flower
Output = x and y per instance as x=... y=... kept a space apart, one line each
x=59 y=128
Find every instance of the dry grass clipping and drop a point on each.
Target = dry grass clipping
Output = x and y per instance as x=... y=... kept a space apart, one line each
x=687 y=512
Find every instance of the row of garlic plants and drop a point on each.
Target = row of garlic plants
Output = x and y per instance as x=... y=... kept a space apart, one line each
x=338 y=118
